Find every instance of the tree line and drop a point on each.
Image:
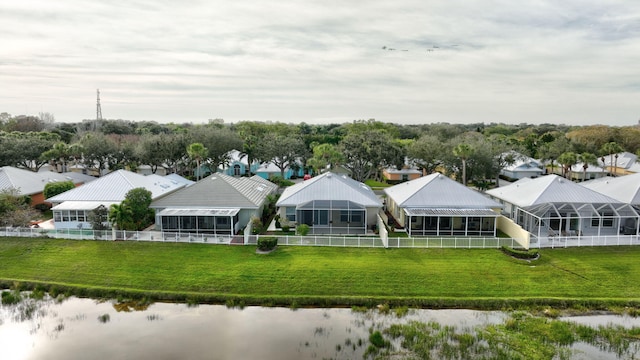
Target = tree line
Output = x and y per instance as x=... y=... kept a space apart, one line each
x=472 y=152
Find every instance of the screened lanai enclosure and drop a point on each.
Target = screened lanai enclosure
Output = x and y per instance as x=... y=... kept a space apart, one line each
x=330 y=216
x=575 y=219
x=449 y=222
x=199 y=221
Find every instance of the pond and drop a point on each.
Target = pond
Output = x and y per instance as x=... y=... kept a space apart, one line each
x=90 y=329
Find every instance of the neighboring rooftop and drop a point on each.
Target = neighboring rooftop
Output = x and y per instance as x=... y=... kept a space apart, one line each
x=623 y=188
x=220 y=191
x=438 y=191
x=28 y=182
x=548 y=189
x=115 y=185
x=329 y=186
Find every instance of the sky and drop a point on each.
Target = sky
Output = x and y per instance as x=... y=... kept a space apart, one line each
x=323 y=61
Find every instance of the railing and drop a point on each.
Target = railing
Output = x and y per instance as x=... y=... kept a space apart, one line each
x=463 y=242
x=326 y=240
x=578 y=241
x=117 y=235
x=323 y=240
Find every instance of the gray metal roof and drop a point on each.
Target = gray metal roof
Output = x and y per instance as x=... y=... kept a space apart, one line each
x=548 y=189
x=329 y=186
x=624 y=188
x=220 y=191
x=438 y=191
x=450 y=212
x=115 y=185
x=28 y=182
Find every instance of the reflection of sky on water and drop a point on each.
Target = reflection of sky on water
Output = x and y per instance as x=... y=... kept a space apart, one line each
x=71 y=329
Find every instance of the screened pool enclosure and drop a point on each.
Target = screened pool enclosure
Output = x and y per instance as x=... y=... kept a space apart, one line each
x=330 y=216
x=575 y=219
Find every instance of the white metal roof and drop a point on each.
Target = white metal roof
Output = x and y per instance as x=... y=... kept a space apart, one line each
x=28 y=182
x=548 y=189
x=329 y=186
x=451 y=212
x=438 y=191
x=199 y=212
x=624 y=188
x=522 y=162
x=179 y=179
x=115 y=185
x=578 y=168
x=82 y=205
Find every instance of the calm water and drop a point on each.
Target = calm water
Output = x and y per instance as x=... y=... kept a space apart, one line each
x=88 y=329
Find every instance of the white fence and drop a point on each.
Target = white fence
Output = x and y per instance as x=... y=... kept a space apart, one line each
x=323 y=240
x=117 y=235
x=326 y=240
x=578 y=241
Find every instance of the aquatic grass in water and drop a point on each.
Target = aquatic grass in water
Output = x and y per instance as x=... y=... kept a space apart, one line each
x=521 y=336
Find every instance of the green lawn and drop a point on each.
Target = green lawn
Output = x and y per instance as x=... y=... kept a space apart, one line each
x=338 y=275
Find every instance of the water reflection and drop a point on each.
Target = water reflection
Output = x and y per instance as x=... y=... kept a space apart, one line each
x=54 y=329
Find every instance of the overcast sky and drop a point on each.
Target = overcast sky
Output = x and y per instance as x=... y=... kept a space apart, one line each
x=572 y=62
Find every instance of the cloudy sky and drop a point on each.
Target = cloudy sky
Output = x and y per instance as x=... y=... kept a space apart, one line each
x=457 y=61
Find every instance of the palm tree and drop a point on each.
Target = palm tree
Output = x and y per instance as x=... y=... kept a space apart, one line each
x=119 y=216
x=567 y=160
x=463 y=151
x=612 y=148
x=587 y=159
x=197 y=152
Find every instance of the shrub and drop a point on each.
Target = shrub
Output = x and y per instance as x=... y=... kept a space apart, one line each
x=302 y=229
x=267 y=243
x=521 y=254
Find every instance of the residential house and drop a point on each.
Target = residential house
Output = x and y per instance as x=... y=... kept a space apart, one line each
x=522 y=166
x=578 y=172
x=622 y=188
x=623 y=163
x=552 y=206
x=219 y=204
x=393 y=175
x=72 y=208
x=268 y=170
x=238 y=164
x=31 y=183
x=330 y=204
x=438 y=205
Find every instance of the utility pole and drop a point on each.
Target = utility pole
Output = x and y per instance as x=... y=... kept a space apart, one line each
x=98 y=108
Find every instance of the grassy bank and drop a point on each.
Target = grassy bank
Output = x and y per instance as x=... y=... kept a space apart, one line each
x=589 y=277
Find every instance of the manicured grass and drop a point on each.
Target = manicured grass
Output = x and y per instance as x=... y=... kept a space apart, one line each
x=306 y=275
x=376 y=184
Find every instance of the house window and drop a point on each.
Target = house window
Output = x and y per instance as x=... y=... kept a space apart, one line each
x=57 y=217
x=236 y=170
x=81 y=215
x=222 y=221
x=72 y=215
x=65 y=215
x=344 y=216
x=356 y=217
x=320 y=217
x=405 y=177
x=290 y=213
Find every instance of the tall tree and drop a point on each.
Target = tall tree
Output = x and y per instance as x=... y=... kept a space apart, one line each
x=587 y=159
x=134 y=212
x=567 y=160
x=325 y=155
x=197 y=152
x=426 y=153
x=98 y=149
x=367 y=152
x=281 y=149
x=463 y=151
x=219 y=141
x=612 y=149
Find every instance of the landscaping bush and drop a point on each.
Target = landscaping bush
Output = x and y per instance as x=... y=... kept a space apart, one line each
x=521 y=254
x=267 y=243
x=302 y=229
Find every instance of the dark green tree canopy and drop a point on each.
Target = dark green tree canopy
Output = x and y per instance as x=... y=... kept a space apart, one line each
x=134 y=212
x=58 y=187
